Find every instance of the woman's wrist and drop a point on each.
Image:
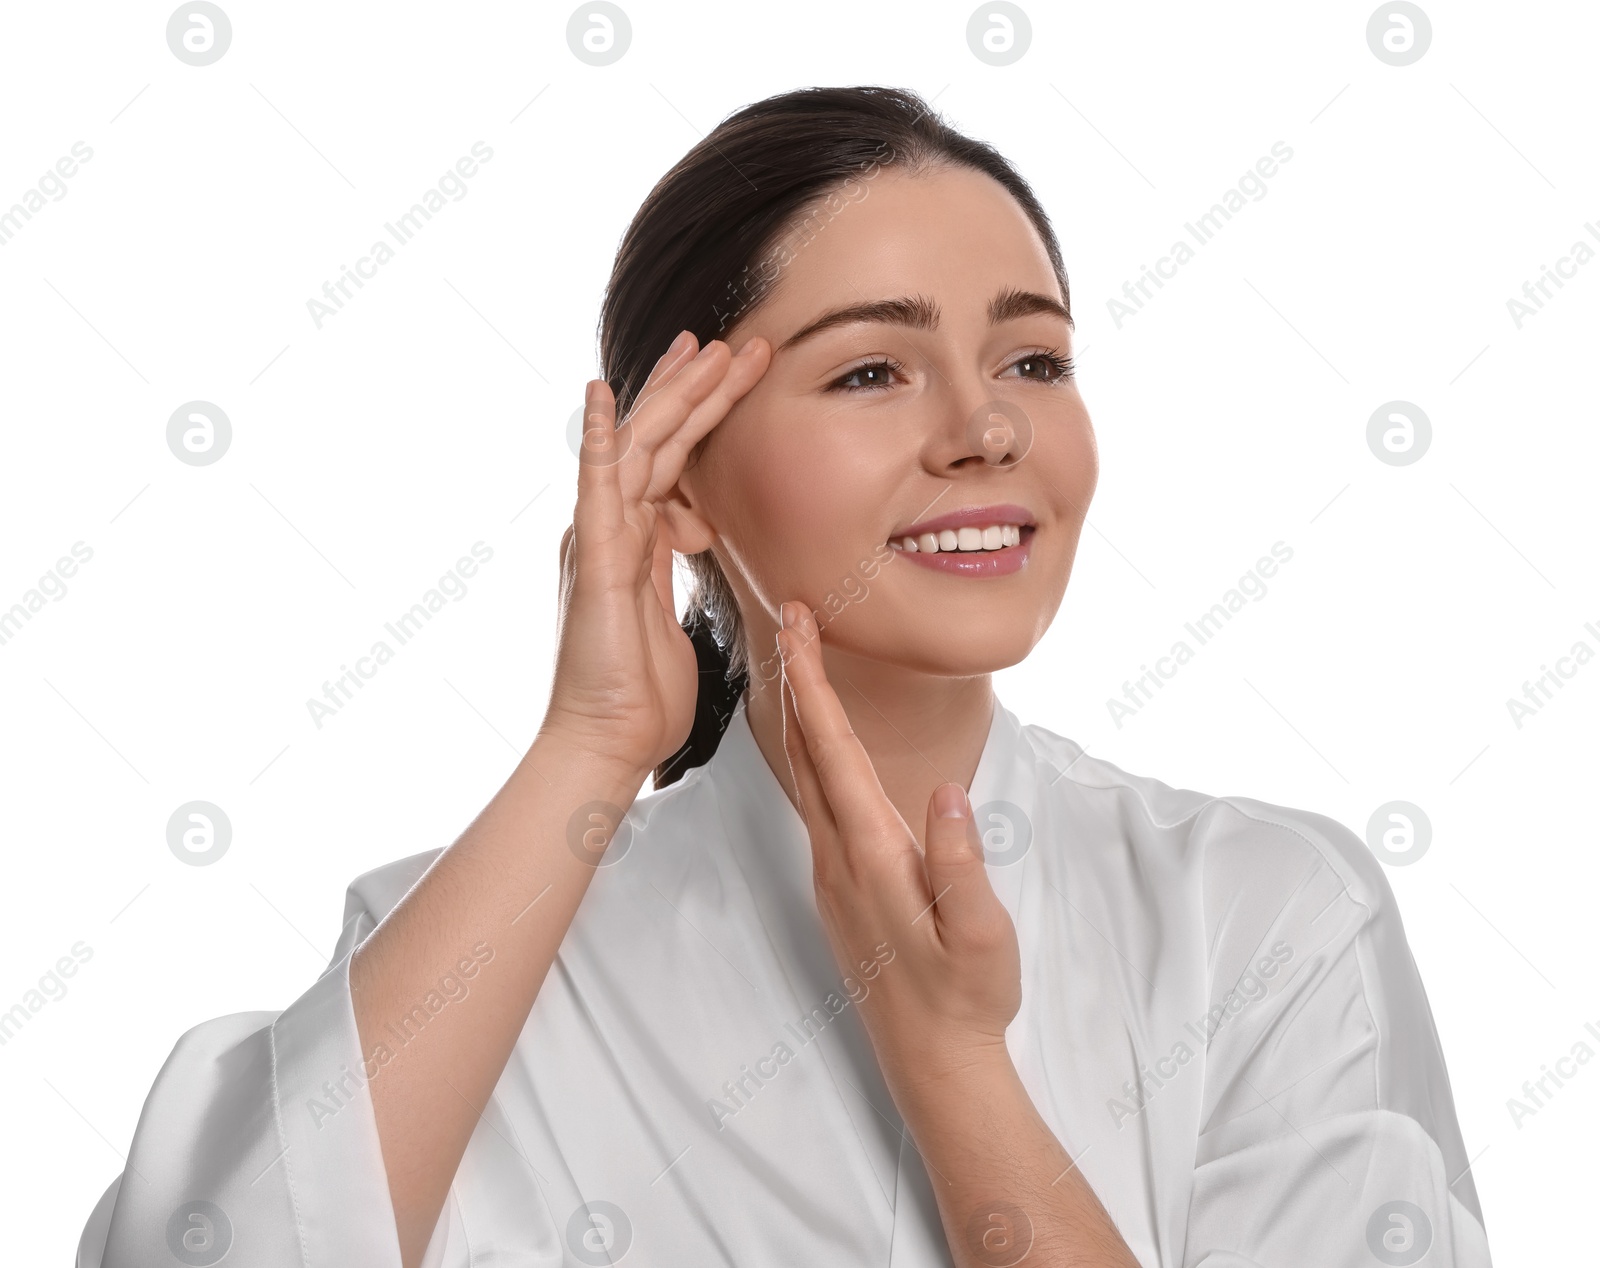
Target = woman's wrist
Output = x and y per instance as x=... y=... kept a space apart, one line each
x=939 y=1078
x=588 y=758
x=1005 y=1184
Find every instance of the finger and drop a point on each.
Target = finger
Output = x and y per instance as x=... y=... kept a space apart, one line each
x=679 y=353
x=814 y=808
x=830 y=862
x=658 y=412
x=680 y=415
x=566 y=571
x=682 y=352
x=878 y=871
x=598 y=517
x=670 y=449
x=661 y=572
x=966 y=908
x=672 y=390
x=843 y=768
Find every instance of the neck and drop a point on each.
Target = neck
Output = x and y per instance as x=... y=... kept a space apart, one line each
x=920 y=730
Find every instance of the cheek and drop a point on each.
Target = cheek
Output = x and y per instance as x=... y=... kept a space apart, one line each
x=808 y=507
x=1072 y=457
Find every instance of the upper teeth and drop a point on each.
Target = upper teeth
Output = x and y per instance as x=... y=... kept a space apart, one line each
x=973 y=537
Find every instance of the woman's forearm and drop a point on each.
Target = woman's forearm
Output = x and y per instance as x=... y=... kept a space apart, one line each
x=496 y=903
x=1008 y=1192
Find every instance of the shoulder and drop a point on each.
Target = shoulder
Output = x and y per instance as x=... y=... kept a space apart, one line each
x=1234 y=845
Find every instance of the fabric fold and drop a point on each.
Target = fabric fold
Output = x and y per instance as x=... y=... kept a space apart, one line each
x=257 y=1144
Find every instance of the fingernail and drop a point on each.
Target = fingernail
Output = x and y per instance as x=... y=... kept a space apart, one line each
x=749 y=346
x=703 y=350
x=950 y=801
x=678 y=345
x=788 y=616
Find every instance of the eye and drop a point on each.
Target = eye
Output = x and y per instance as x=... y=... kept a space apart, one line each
x=875 y=372
x=1056 y=367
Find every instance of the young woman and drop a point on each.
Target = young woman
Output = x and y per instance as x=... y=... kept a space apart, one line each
x=876 y=974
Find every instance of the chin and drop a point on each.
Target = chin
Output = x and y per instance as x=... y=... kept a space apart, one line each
x=956 y=648
x=956 y=662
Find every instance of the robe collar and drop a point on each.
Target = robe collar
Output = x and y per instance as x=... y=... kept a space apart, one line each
x=765 y=850
x=770 y=841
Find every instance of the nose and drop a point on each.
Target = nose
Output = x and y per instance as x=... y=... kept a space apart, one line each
x=1001 y=431
x=977 y=429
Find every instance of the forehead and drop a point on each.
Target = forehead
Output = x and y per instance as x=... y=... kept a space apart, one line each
x=952 y=234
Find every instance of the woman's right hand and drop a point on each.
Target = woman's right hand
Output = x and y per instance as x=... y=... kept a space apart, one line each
x=626 y=677
x=622 y=699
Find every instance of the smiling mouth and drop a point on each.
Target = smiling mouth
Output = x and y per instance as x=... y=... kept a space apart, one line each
x=974 y=539
x=970 y=530
x=974 y=542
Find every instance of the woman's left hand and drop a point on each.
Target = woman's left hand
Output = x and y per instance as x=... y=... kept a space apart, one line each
x=925 y=927
x=939 y=951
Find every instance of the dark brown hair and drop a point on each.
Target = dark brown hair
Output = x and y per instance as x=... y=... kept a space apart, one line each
x=707 y=246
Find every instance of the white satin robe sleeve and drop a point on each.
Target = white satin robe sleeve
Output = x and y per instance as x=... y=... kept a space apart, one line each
x=1327 y=1135
x=257 y=1145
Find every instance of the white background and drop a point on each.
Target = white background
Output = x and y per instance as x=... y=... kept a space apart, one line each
x=431 y=413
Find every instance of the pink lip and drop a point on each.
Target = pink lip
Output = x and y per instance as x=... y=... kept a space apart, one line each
x=1007 y=513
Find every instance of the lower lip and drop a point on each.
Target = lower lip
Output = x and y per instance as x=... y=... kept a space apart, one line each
x=974 y=563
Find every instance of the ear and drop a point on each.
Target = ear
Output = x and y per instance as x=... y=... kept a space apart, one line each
x=686 y=529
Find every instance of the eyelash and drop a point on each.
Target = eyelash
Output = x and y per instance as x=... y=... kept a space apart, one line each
x=1062 y=367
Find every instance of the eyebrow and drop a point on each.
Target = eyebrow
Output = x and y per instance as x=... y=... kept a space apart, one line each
x=921 y=313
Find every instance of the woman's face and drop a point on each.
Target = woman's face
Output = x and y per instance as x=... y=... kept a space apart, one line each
x=947 y=408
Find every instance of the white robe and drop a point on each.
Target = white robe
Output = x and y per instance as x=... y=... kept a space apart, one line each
x=1221 y=1021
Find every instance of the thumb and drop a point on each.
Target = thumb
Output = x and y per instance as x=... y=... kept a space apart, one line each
x=965 y=902
x=661 y=565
